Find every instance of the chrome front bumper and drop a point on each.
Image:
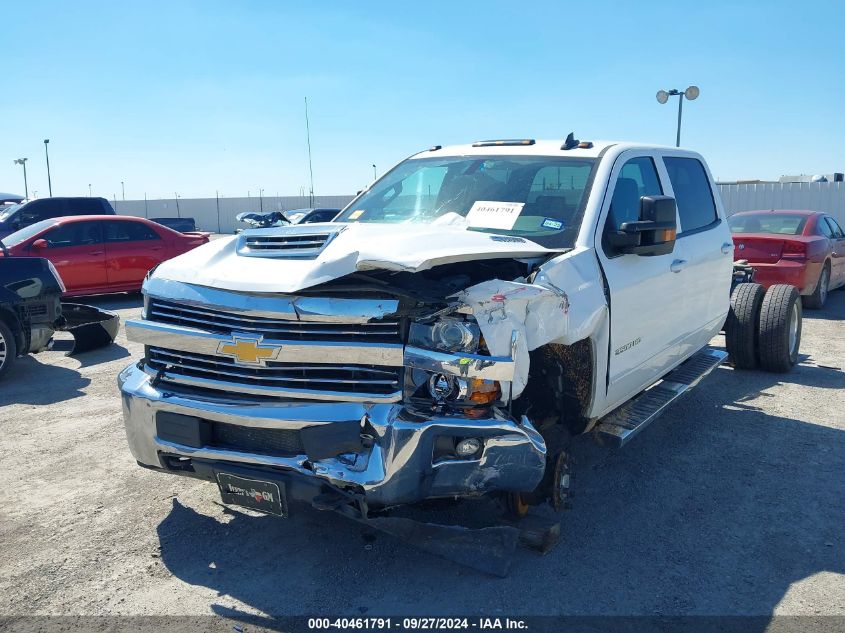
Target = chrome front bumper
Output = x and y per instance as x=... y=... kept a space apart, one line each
x=399 y=467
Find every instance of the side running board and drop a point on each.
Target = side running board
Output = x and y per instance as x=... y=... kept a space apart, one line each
x=623 y=423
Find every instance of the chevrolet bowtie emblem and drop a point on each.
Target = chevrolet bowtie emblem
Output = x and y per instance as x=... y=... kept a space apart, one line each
x=248 y=351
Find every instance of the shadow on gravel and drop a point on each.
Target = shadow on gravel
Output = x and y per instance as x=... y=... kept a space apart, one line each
x=716 y=509
x=95 y=356
x=834 y=309
x=34 y=382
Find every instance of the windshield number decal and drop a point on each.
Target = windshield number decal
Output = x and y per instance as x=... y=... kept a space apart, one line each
x=489 y=214
x=551 y=223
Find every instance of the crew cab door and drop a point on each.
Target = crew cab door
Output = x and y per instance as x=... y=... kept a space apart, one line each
x=648 y=314
x=703 y=251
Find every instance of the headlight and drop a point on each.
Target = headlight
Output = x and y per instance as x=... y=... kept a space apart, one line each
x=469 y=391
x=56 y=275
x=448 y=335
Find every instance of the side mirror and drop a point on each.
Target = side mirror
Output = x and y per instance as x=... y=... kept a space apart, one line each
x=654 y=233
x=40 y=244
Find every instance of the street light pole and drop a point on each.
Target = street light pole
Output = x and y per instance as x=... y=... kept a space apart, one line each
x=690 y=93
x=375 y=176
x=22 y=161
x=47 y=154
x=122 y=191
x=89 y=189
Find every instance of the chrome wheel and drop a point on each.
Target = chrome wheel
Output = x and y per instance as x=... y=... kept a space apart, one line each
x=793 y=329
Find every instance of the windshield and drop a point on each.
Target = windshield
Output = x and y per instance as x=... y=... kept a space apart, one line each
x=777 y=223
x=8 y=210
x=538 y=197
x=27 y=232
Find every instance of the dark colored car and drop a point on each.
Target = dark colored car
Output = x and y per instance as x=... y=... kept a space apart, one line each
x=17 y=216
x=805 y=249
x=311 y=216
x=183 y=225
x=31 y=311
x=97 y=254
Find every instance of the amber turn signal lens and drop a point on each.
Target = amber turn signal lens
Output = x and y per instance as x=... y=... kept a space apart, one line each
x=483 y=391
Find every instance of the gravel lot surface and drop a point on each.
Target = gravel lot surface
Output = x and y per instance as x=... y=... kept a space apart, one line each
x=732 y=503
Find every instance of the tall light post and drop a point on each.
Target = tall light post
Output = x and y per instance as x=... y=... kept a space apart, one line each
x=22 y=161
x=89 y=189
x=690 y=93
x=122 y=191
x=47 y=154
x=375 y=177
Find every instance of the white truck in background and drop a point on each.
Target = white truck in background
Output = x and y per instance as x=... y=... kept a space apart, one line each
x=450 y=331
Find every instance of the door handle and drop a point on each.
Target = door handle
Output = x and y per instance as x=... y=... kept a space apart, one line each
x=727 y=247
x=96 y=253
x=678 y=265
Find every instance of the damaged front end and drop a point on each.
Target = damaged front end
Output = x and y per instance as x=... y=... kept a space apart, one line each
x=382 y=385
x=32 y=311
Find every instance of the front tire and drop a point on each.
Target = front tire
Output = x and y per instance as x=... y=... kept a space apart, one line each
x=817 y=300
x=8 y=349
x=780 y=328
x=743 y=323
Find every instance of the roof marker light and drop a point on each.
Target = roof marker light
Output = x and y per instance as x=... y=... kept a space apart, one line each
x=585 y=145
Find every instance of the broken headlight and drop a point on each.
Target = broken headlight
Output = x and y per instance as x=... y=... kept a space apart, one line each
x=451 y=335
x=446 y=335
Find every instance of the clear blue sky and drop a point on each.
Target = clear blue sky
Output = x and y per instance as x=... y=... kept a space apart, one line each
x=193 y=97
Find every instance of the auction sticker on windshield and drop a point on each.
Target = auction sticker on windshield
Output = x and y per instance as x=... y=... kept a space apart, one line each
x=488 y=214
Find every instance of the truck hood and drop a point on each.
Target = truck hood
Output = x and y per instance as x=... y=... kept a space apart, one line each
x=230 y=263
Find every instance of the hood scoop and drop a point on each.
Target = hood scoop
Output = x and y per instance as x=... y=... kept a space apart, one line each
x=300 y=242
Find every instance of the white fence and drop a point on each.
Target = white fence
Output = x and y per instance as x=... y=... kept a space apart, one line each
x=817 y=196
x=218 y=215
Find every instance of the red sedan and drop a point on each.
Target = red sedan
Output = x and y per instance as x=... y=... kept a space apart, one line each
x=805 y=249
x=97 y=254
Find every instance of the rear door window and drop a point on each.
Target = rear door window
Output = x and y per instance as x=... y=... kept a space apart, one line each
x=74 y=234
x=825 y=228
x=696 y=207
x=129 y=232
x=834 y=226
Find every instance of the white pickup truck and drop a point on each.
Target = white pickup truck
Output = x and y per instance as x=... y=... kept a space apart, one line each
x=450 y=331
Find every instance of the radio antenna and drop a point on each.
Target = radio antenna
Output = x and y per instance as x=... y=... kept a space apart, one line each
x=310 y=168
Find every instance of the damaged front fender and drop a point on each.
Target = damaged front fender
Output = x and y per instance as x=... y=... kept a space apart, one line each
x=564 y=304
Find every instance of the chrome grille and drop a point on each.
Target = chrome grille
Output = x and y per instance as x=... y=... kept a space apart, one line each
x=277 y=329
x=277 y=379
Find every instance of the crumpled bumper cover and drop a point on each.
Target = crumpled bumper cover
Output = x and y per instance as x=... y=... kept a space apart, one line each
x=91 y=327
x=397 y=465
